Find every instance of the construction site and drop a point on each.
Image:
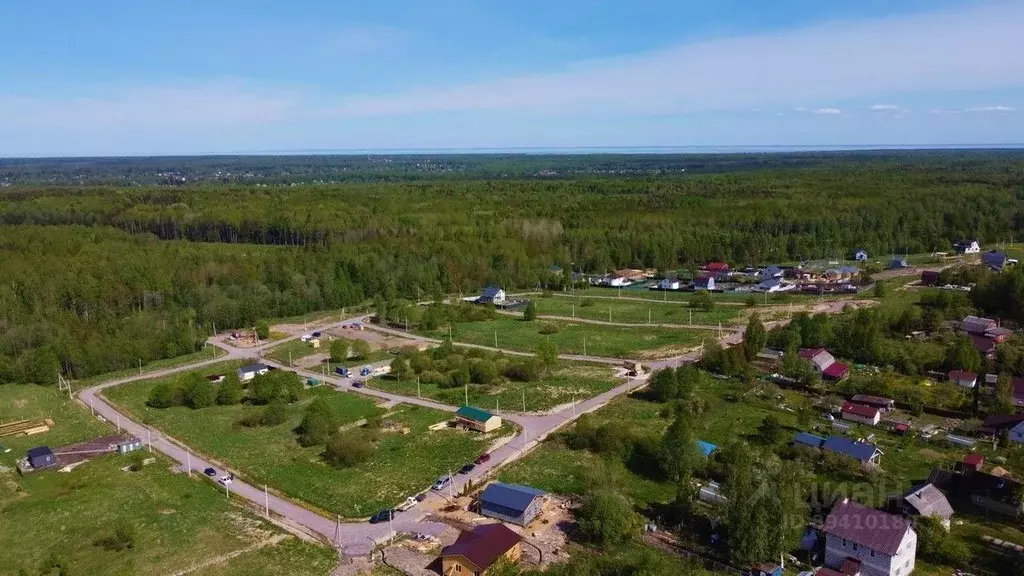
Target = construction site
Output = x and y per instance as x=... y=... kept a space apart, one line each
x=69 y=457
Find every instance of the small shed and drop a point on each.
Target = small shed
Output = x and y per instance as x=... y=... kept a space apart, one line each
x=963 y=378
x=929 y=277
x=477 y=419
x=974 y=461
x=706 y=448
x=897 y=263
x=41 y=457
x=704 y=283
x=513 y=503
x=860 y=255
x=250 y=371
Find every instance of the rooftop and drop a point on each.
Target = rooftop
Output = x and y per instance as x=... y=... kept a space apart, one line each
x=860 y=410
x=473 y=413
x=513 y=496
x=484 y=545
x=868 y=527
x=860 y=450
x=929 y=501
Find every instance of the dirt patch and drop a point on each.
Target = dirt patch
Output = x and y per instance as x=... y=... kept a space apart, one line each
x=167 y=511
x=251 y=527
x=665 y=352
x=20 y=403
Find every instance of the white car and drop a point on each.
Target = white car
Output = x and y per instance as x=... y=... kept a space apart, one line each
x=306 y=337
x=442 y=482
x=409 y=503
x=226 y=479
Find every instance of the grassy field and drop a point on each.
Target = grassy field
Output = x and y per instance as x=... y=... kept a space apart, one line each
x=271 y=455
x=178 y=523
x=207 y=353
x=559 y=387
x=610 y=341
x=299 y=350
x=635 y=312
x=291 y=556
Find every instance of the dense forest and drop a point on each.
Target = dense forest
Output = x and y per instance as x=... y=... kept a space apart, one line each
x=97 y=277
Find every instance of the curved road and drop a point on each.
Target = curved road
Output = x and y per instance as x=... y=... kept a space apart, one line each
x=360 y=538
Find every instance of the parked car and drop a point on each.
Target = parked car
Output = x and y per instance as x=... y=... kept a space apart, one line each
x=485 y=457
x=442 y=482
x=421 y=497
x=210 y=472
x=317 y=334
x=382 y=516
x=226 y=479
x=341 y=371
x=467 y=469
x=408 y=504
x=358 y=384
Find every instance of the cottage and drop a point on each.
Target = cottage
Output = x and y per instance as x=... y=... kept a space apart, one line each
x=668 y=284
x=250 y=371
x=40 y=457
x=869 y=542
x=1017 y=433
x=711 y=493
x=836 y=371
x=616 y=281
x=985 y=345
x=865 y=453
x=861 y=413
x=474 y=552
x=716 y=268
x=704 y=283
x=860 y=255
x=825 y=363
x=996 y=261
x=974 y=461
x=994 y=425
x=491 y=295
x=989 y=492
x=897 y=263
x=773 y=272
x=927 y=501
x=772 y=285
x=963 y=378
x=880 y=402
x=929 y=278
x=512 y=503
x=476 y=419
x=977 y=325
x=967 y=247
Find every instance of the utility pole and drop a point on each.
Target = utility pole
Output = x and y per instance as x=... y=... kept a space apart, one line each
x=140 y=366
x=290 y=357
x=691 y=317
x=467 y=394
x=574 y=310
x=91 y=407
x=451 y=485
x=648 y=314
x=449 y=332
x=584 y=346
x=149 y=434
x=524 y=399
x=266 y=501
x=118 y=423
x=417 y=386
x=188 y=463
x=337 y=532
x=609 y=315
x=227 y=491
x=496 y=406
x=495 y=338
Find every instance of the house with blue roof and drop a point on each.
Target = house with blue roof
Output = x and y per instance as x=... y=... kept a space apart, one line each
x=863 y=452
x=772 y=272
x=491 y=295
x=996 y=260
x=807 y=439
x=706 y=448
x=512 y=503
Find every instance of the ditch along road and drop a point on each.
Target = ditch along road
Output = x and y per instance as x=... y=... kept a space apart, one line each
x=359 y=538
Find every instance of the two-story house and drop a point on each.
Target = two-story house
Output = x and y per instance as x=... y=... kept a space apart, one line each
x=862 y=541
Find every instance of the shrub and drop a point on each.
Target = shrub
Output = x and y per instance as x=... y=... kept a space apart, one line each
x=122 y=538
x=360 y=349
x=548 y=328
x=527 y=370
x=482 y=371
x=262 y=330
x=230 y=391
x=433 y=377
x=344 y=450
x=162 y=396
x=275 y=413
x=318 y=424
x=530 y=313
x=201 y=394
x=339 y=350
x=458 y=378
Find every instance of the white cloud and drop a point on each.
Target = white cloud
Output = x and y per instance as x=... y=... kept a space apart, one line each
x=934 y=52
x=828 y=111
x=991 y=109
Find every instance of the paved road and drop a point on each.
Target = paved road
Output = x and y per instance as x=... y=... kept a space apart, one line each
x=620 y=324
x=359 y=538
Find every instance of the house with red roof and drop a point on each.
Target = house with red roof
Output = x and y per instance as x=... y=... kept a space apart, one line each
x=985 y=345
x=881 y=402
x=716 y=268
x=868 y=542
x=476 y=551
x=974 y=461
x=861 y=413
x=963 y=378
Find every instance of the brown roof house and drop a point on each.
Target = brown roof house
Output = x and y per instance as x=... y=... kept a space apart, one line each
x=869 y=542
x=473 y=553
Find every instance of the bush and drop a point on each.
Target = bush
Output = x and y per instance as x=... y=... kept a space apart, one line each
x=434 y=377
x=122 y=538
x=262 y=330
x=607 y=518
x=276 y=384
x=586 y=302
x=530 y=313
x=360 y=349
x=458 y=378
x=528 y=370
x=230 y=391
x=482 y=371
x=548 y=328
x=275 y=413
x=318 y=424
x=339 y=350
x=344 y=450
x=162 y=396
x=201 y=394
x=136 y=460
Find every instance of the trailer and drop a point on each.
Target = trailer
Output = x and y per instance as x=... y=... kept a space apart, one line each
x=341 y=371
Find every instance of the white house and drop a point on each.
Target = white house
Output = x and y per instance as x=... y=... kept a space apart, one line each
x=861 y=413
x=860 y=255
x=967 y=247
x=703 y=283
x=616 y=281
x=963 y=378
x=668 y=284
x=869 y=542
x=491 y=295
x=250 y=371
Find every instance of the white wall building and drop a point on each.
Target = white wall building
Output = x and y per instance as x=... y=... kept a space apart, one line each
x=870 y=542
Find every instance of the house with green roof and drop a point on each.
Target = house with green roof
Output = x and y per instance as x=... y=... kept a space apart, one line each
x=477 y=419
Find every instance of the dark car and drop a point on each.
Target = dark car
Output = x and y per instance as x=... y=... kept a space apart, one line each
x=382 y=516
x=210 y=472
x=467 y=468
x=485 y=457
x=357 y=384
x=316 y=334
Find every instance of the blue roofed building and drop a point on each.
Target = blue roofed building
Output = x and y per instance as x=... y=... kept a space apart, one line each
x=706 y=448
x=512 y=503
x=772 y=272
x=491 y=295
x=863 y=452
x=996 y=260
x=40 y=457
x=807 y=439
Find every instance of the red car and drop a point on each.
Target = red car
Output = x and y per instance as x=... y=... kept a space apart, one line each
x=482 y=458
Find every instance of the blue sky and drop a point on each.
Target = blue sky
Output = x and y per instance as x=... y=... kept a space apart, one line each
x=193 y=77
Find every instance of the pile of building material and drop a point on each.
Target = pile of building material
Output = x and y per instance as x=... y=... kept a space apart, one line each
x=25 y=427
